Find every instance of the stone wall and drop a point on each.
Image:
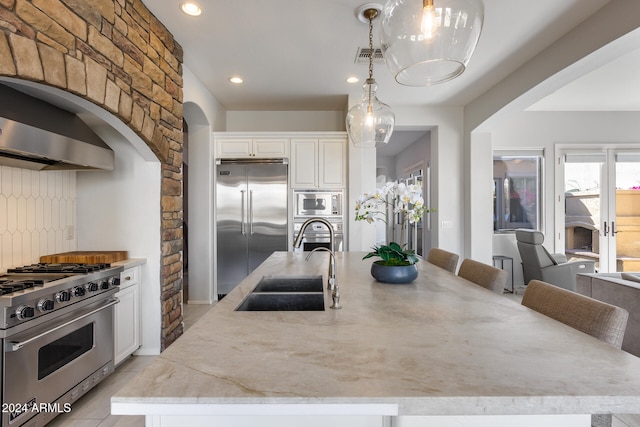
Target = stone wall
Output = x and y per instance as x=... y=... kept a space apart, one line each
x=116 y=54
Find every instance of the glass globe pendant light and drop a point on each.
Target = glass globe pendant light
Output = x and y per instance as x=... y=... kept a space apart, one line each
x=370 y=122
x=426 y=42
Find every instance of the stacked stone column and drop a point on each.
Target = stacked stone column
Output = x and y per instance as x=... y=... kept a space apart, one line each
x=116 y=54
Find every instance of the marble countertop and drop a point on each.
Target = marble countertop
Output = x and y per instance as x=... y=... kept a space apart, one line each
x=438 y=346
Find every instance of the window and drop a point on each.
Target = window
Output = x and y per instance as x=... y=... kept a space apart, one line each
x=516 y=191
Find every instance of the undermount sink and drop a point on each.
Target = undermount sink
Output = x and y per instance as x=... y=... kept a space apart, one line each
x=273 y=301
x=285 y=293
x=289 y=284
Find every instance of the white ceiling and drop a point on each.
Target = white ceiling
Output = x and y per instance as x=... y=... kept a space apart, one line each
x=296 y=55
x=612 y=87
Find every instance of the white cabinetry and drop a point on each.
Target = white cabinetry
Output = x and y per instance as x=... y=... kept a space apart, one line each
x=318 y=163
x=127 y=315
x=251 y=147
x=318 y=160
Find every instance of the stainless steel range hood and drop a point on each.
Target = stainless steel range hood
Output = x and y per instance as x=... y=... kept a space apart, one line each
x=37 y=135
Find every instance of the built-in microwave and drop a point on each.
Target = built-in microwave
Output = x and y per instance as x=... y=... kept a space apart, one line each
x=317 y=203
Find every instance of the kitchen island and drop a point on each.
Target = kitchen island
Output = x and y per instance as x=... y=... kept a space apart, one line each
x=440 y=347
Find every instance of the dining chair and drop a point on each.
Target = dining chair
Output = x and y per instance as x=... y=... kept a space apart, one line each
x=484 y=275
x=603 y=321
x=443 y=259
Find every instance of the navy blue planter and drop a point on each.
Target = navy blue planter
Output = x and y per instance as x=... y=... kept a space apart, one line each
x=395 y=274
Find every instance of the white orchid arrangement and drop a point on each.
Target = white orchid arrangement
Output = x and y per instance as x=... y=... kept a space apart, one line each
x=400 y=197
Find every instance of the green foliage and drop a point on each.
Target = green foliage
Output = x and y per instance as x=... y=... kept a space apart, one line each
x=393 y=254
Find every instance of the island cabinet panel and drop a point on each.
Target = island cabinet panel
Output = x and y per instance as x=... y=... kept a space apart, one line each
x=127 y=315
x=271 y=421
x=563 y=420
x=319 y=163
x=251 y=147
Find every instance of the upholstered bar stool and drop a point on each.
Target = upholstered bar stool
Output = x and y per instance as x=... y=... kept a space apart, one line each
x=603 y=321
x=484 y=275
x=443 y=259
x=596 y=318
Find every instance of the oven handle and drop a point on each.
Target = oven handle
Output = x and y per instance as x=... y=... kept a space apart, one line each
x=14 y=346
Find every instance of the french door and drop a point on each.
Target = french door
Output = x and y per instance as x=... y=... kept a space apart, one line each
x=601 y=207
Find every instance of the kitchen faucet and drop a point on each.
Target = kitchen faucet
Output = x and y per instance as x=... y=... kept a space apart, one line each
x=333 y=282
x=303 y=227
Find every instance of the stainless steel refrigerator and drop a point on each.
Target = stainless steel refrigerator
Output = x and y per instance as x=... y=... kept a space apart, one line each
x=251 y=216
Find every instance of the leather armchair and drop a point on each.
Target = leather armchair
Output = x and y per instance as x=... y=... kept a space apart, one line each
x=539 y=264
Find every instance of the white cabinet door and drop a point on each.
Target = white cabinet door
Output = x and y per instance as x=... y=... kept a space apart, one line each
x=270 y=147
x=318 y=163
x=234 y=148
x=332 y=163
x=251 y=147
x=127 y=315
x=304 y=163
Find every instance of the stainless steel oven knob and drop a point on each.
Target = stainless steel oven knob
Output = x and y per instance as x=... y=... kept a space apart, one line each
x=104 y=285
x=45 y=305
x=91 y=287
x=24 y=312
x=63 y=296
x=114 y=281
x=79 y=291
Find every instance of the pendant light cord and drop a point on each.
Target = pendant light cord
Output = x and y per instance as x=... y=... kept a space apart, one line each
x=370 y=46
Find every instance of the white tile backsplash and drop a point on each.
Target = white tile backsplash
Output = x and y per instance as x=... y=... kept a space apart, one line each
x=37 y=211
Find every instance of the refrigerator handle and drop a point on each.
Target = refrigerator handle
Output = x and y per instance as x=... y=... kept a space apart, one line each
x=243 y=231
x=251 y=212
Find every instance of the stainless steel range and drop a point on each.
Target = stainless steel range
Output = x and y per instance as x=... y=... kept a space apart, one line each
x=57 y=337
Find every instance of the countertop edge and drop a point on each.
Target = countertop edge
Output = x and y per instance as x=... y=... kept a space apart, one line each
x=431 y=406
x=130 y=262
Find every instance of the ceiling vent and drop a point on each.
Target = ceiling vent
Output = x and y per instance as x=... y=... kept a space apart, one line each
x=364 y=53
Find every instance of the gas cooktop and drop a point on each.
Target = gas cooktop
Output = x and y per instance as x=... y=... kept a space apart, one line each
x=59 y=268
x=37 y=290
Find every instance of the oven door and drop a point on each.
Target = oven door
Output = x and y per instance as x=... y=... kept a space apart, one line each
x=312 y=241
x=52 y=361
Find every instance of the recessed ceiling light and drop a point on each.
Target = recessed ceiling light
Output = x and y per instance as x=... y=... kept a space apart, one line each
x=191 y=8
x=235 y=79
x=352 y=80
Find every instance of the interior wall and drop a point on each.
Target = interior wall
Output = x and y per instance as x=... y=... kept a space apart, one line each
x=285 y=121
x=205 y=115
x=446 y=134
x=419 y=151
x=479 y=193
x=386 y=166
x=201 y=202
x=544 y=130
x=118 y=210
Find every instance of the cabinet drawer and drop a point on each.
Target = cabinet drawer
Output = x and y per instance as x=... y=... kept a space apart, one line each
x=129 y=277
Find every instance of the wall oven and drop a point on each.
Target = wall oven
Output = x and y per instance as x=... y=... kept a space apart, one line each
x=317 y=235
x=309 y=203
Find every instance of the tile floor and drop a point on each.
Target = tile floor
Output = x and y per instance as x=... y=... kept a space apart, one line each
x=625 y=421
x=93 y=410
